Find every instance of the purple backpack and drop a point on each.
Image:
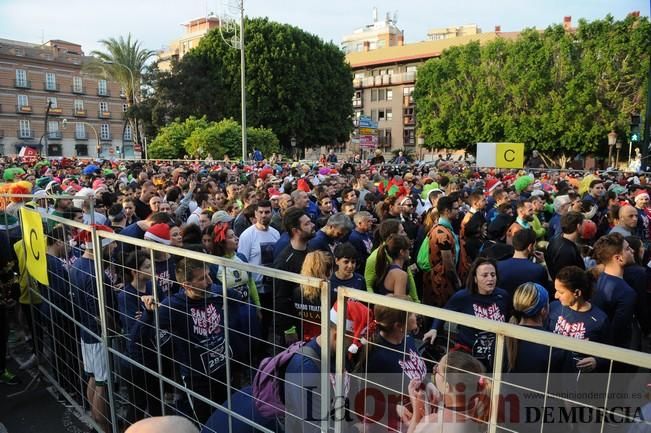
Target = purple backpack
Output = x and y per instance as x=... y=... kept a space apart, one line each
x=268 y=383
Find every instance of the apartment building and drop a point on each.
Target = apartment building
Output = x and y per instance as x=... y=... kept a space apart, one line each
x=42 y=84
x=195 y=29
x=384 y=82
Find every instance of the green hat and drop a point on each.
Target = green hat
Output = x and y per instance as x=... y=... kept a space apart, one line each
x=522 y=183
x=11 y=173
x=42 y=182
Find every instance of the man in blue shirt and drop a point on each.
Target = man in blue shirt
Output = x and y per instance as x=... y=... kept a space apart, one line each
x=520 y=269
x=86 y=296
x=326 y=239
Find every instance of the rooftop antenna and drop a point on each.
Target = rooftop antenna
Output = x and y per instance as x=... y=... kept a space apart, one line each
x=395 y=17
x=374 y=14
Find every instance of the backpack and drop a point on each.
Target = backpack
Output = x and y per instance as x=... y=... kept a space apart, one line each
x=268 y=383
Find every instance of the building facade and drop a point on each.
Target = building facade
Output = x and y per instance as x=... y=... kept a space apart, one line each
x=48 y=103
x=384 y=82
x=374 y=36
x=194 y=30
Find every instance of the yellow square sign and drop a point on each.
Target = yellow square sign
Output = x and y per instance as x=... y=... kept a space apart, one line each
x=509 y=155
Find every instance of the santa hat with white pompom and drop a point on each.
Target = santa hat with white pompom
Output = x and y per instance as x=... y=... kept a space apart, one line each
x=359 y=319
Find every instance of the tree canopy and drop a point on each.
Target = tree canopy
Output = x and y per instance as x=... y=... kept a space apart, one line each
x=199 y=137
x=557 y=91
x=297 y=85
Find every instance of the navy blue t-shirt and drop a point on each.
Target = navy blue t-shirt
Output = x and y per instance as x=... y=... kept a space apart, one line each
x=617 y=299
x=513 y=272
x=281 y=244
x=129 y=304
x=355 y=282
x=496 y=306
x=322 y=242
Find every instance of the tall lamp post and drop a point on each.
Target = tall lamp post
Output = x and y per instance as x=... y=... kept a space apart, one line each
x=293 y=143
x=47 y=115
x=612 y=139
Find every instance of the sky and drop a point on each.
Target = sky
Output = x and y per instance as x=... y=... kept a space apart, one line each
x=157 y=22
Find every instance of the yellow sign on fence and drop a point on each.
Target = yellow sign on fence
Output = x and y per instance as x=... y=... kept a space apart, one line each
x=500 y=155
x=35 y=250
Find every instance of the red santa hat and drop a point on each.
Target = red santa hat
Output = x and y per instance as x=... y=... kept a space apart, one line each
x=303 y=185
x=358 y=320
x=159 y=233
x=492 y=184
x=640 y=193
x=86 y=239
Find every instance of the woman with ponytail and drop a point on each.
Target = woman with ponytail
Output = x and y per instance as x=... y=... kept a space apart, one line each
x=530 y=309
x=458 y=399
x=392 y=259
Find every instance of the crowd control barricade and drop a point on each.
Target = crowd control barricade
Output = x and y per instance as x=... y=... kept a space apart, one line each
x=158 y=377
x=161 y=379
x=615 y=399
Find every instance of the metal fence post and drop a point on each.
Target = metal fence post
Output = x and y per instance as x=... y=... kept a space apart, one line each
x=339 y=356
x=325 y=358
x=227 y=345
x=159 y=359
x=497 y=382
x=101 y=302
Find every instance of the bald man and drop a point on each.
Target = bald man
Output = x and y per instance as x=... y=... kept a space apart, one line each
x=163 y=424
x=627 y=223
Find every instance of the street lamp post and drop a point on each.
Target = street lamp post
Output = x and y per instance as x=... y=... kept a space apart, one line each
x=618 y=146
x=47 y=115
x=421 y=144
x=64 y=124
x=612 y=139
x=293 y=143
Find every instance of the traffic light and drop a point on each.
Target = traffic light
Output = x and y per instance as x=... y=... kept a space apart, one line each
x=635 y=128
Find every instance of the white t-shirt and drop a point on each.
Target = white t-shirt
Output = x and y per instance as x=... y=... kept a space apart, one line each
x=257 y=246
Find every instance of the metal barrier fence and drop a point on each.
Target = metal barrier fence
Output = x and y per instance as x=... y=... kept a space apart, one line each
x=156 y=366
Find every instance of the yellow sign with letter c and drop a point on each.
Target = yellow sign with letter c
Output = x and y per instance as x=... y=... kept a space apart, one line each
x=509 y=155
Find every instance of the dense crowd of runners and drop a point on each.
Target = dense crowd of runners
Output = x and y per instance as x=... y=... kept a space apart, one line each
x=560 y=251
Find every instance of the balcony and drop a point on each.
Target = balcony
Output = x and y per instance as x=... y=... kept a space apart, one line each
x=357 y=83
x=79 y=112
x=25 y=133
x=23 y=84
x=51 y=87
x=79 y=90
x=54 y=135
x=407 y=100
x=24 y=109
x=81 y=136
x=409 y=120
x=104 y=114
x=357 y=103
x=105 y=137
x=56 y=111
x=103 y=92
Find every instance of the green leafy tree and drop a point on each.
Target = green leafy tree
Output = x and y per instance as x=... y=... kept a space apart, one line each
x=297 y=85
x=556 y=91
x=170 y=142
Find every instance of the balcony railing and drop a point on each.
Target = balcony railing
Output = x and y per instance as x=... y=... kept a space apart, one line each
x=54 y=135
x=79 y=112
x=81 y=136
x=357 y=83
x=56 y=111
x=408 y=100
x=103 y=92
x=25 y=133
x=357 y=103
x=409 y=120
x=105 y=137
x=104 y=114
x=23 y=84
x=51 y=87
x=79 y=90
x=24 y=109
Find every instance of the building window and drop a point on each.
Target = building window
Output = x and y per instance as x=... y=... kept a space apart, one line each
x=408 y=136
x=123 y=92
x=53 y=129
x=359 y=75
x=23 y=101
x=79 y=105
x=389 y=94
x=373 y=95
x=21 y=78
x=125 y=108
x=77 y=85
x=127 y=133
x=381 y=94
x=105 y=133
x=103 y=106
x=374 y=115
x=80 y=130
x=50 y=81
x=412 y=68
x=388 y=114
x=53 y=101
x=24 y=129
x=101 y=88
x=408 y=91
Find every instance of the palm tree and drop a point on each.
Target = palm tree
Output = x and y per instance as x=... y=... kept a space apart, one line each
x=122 y=61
